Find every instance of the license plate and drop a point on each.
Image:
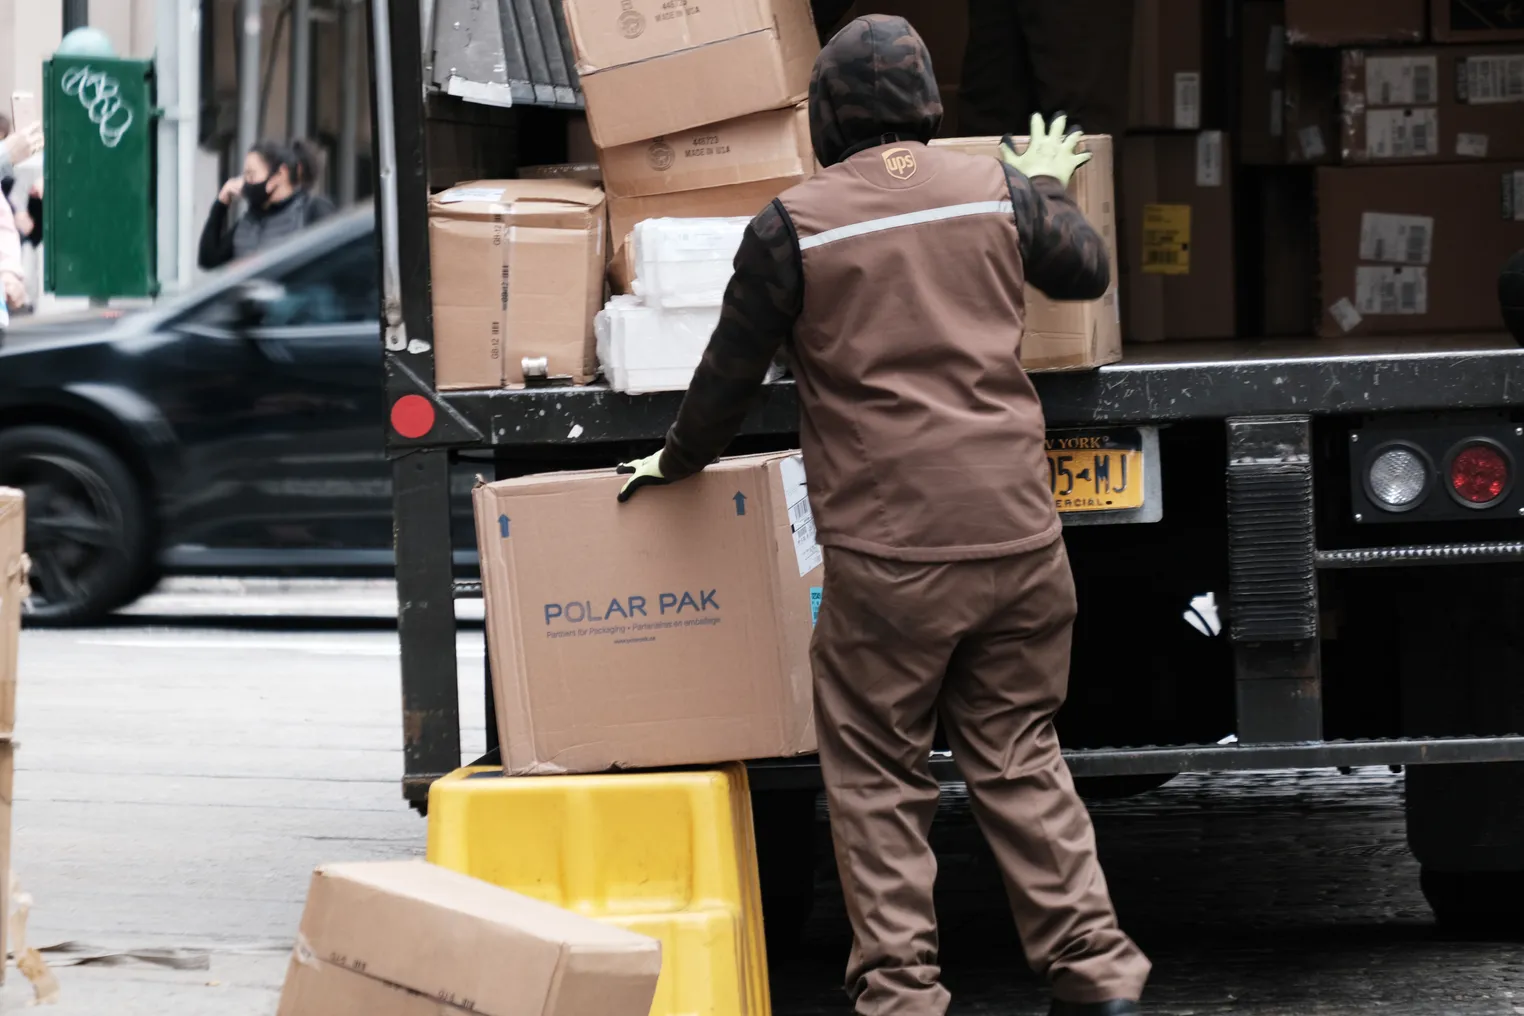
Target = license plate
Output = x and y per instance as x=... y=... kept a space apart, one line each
x=1096 y=470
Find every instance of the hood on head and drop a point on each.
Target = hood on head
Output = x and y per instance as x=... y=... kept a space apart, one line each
x=873 y=79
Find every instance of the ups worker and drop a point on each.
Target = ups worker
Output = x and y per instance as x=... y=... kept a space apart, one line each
x=895 y=279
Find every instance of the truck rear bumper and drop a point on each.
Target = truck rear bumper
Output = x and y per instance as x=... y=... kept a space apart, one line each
x=804 y=772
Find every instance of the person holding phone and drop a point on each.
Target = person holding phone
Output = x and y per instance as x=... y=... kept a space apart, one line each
x=276 y=206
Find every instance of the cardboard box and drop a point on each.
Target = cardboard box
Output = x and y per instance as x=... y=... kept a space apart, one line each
x=773 y=145
x=1071 y=334
x=1437 y=104
x=13 y=590
x=681 y=636
x=1355 y=22
x=737 y=199
x=1312 y=106
x=406 y=938
x=1288 y=108
x=1416 y=248
x=1262 y=95
x=1168 y=65
x=650 y=69
x=517 y=272
x=1178 y=268
x=1476 y=20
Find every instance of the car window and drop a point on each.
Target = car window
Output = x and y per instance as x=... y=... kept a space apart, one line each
x=339 y=289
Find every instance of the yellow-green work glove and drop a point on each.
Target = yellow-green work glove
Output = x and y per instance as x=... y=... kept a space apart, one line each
x=646 y=472
x=1049 y=152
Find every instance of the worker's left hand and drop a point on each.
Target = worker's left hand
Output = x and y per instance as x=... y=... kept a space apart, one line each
x=1049 y=152
x=646 y=472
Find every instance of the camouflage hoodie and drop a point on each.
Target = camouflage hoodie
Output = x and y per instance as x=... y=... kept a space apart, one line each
x=873 y=84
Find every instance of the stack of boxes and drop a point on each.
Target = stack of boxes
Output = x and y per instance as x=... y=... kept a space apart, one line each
x=1418 y=197
x=1178 y=265
x=696 y=110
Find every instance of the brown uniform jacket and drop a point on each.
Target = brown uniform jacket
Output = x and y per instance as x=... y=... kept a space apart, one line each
x=922 y=435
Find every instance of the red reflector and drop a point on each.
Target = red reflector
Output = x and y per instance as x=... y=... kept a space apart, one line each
x=412 y=416
x=1479 y=473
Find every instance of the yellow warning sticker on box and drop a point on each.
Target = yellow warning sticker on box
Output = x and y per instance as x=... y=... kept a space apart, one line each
x=1167 y=239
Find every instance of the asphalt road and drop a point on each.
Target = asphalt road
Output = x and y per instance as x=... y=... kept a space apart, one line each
x=181 y=771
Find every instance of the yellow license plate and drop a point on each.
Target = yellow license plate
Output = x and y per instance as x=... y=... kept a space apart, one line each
x=1096 y=470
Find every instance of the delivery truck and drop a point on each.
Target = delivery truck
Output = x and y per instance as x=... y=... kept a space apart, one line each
x=1291 y=550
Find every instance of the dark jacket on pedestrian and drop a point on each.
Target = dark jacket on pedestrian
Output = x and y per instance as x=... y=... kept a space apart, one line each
x=257 y=229
x=894 y=279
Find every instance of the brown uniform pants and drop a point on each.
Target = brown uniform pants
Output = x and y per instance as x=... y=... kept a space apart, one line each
x=985 y=645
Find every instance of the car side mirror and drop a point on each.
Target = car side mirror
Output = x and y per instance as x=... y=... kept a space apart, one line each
x=252 y=301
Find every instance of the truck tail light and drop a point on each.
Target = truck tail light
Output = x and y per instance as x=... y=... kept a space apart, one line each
x=1409 y=471
x=1398 y=477
x=1480 y=473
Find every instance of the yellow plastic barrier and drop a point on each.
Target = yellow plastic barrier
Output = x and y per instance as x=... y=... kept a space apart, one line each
x=671 y=855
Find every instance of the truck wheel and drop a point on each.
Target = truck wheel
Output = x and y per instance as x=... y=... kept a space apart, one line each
x=1466 y=828
x=86 y=523
x=1476 y=904
x=1462 y=661
x=784 y=821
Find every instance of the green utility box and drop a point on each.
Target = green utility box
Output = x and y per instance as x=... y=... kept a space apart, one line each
x=99 y=201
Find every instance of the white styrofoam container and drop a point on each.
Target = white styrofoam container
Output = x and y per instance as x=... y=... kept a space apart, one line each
x=651 y=349
x=685 y=262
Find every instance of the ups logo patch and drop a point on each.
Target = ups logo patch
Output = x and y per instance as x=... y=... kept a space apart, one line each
x=899 y=163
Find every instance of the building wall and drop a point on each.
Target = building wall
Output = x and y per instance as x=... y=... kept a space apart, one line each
x=29 y=32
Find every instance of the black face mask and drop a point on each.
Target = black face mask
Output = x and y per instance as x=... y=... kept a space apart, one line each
x=256 y=194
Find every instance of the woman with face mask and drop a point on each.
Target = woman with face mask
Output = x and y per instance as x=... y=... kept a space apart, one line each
x=275 y=206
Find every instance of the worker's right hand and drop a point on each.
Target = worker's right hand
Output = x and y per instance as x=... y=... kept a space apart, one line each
x=1049 y=152
x=230 y=190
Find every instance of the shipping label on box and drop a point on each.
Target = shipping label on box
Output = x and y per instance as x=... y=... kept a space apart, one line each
x=681 y=637
x=1491 y=78
x=1167 y=239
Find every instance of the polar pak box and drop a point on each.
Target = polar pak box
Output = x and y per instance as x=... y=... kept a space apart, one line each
x=652 y=67
x=670 y=630
x=1070 y=334
x=516 y=270
x=408 y=938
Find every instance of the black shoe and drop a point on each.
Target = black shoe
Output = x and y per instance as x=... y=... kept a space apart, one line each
x=1113 y=1007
